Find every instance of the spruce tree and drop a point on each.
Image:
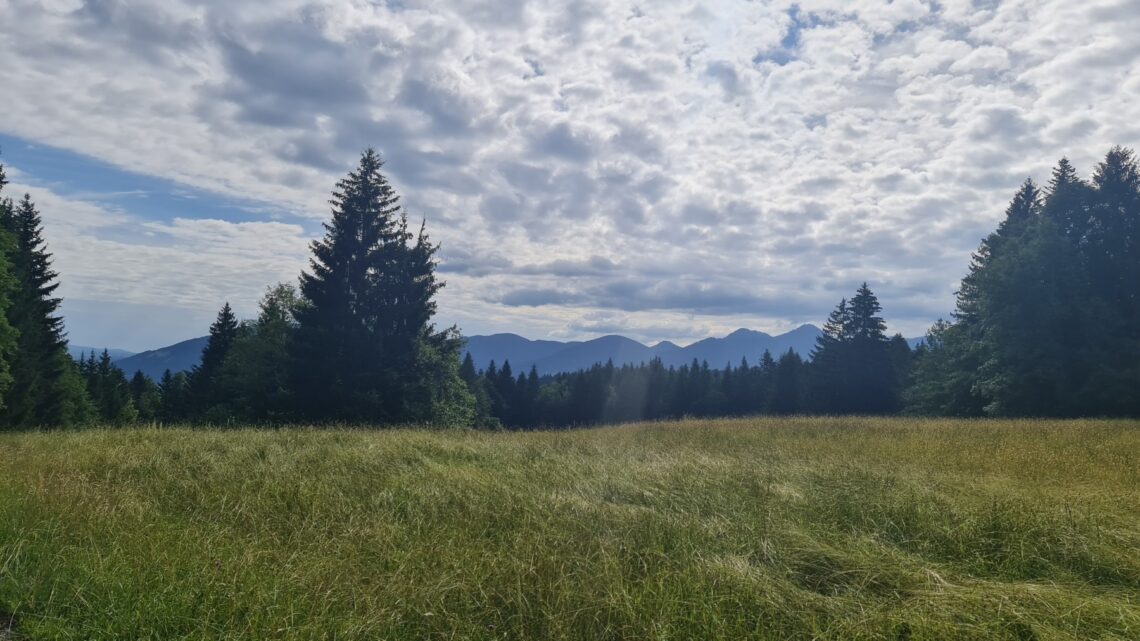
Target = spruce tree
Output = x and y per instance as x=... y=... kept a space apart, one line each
x=109 y=390
x=205 y=387
x=365 y=349
x=9 y=338
x=45 y=390
x=174 y=390
x=254 y=378
x=1112 y=244
x=787 y=384
x=146 y=397
x=1067 y=202
x=829 y=362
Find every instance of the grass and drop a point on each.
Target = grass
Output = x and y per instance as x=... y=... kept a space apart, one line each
x=894 y=529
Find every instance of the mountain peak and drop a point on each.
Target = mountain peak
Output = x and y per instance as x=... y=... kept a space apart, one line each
x=552 y=357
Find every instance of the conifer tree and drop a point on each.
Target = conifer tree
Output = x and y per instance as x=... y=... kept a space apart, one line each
x=829 y=361
x=9 y=338
x=45 y=388
x=255 y=372
x=1113 y=239
x=787 y=384
x=146 y=397
x=204 y=382
x=109 y=390
x=365 y=349
x=174 y=390
x=1067 y=202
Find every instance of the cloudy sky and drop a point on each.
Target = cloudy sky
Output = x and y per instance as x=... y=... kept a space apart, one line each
x=667 y=169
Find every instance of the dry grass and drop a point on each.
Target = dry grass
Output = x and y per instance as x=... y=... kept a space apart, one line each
x=764 y=529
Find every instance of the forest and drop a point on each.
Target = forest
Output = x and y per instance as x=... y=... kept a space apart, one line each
x=1046 y=324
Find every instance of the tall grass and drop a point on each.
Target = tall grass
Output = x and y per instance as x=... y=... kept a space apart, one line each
x=894 y=529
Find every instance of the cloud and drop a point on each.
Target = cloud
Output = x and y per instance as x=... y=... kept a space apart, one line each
x=675 y=164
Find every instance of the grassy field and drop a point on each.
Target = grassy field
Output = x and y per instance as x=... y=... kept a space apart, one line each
x=751 y=529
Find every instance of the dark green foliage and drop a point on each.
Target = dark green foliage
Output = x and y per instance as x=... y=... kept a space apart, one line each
x=788 y=385
x=43 y=392
x=855 y=368
x=1048 y=316
x=108 y=389
x=365 y=350
x=9 y=337
x=146 y=397
x=174 y=390
x=254 y=377
x=206 y=390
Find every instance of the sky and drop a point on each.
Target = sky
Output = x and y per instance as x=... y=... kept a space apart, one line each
x=667 y=170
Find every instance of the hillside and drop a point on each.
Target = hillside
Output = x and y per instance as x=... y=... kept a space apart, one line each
x=81 y=351
x=176 y=358
x=822 y=529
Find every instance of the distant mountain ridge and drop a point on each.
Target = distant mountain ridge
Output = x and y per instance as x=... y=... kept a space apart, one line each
x=180 y=357
x=552 y=357
x=549 y=357
x=81 y=351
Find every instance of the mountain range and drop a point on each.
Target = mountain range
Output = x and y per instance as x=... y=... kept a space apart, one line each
x=548 y=357
x=180 y=357
x=552 y=357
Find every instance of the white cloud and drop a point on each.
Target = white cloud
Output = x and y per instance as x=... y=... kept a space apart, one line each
x=677 y=140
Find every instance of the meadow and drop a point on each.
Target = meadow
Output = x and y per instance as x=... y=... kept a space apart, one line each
x=895 y=529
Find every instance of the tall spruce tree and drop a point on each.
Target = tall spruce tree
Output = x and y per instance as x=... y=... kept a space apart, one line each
x=365 y=349
x=1113 y=238
x=9 y=338
x=828 y=384
x=46 y=390
x=206 y=391
x=1067 y=202
x=1046 y=321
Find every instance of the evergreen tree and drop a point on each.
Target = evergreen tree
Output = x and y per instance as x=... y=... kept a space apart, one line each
x=206 y=391
x=829 y=361
x=853 y=364
x=1067 y=202
x=9 y=338
x=1038 y=337
x=787 y=384
x=365 y=349
x=109 y=390
x=174 y=390
x=945 y=374
x=1112 y=242
x=45 y=389
x=254 y=376
x=146 y=397
x=1046 y=321
x=873 y=384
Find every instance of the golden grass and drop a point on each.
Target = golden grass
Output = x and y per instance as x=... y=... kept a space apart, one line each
x=736 y=529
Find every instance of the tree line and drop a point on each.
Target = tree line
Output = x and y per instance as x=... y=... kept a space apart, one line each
x=1046 y=323
x=854 y=368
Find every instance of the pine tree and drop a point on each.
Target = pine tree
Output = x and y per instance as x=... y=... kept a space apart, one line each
x=787 y=384
x=109 y=390
x=146 y=397
x=44 y=390
x=365 y=349
x=1112 y=244
x=1067 y=202
x=9 y=337
x=174 y=390
x=852 y=367
x=255 y=373
x=829 y=362
x=205 y=389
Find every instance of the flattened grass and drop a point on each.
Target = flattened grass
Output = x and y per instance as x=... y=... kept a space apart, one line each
x=895 y=529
